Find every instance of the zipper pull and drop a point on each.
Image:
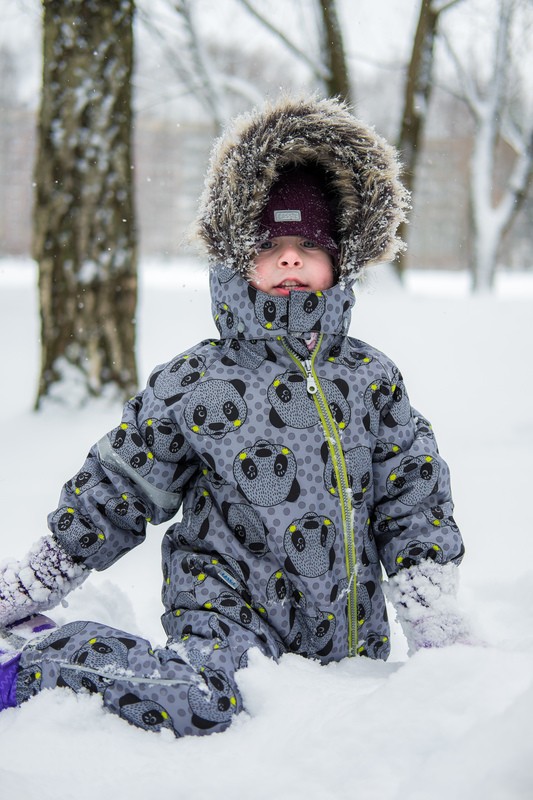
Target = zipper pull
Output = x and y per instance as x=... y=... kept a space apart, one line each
x=312 y=388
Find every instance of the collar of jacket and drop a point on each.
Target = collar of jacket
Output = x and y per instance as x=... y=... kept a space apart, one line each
x=242 y=312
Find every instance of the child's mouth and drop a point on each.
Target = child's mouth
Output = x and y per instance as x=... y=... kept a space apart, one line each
x=290 y=286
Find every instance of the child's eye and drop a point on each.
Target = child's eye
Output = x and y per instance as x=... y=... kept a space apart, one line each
x=308 y=243
x=266 y=245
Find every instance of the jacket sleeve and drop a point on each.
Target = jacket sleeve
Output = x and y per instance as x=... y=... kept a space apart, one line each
x=413 y=509
x=134 y=475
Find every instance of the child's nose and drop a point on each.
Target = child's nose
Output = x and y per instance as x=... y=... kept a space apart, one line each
x=290 y=257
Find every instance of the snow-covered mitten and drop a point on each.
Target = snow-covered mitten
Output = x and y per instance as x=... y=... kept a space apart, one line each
x=38 y=582
x=425 y=599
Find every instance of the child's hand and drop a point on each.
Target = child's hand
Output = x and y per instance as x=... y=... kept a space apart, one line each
x=37 y=582
x=424 y=597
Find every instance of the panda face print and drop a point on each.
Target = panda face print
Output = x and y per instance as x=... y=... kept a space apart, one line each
x=290 y=401
x=322 y=631
x=178 y=377
x=347 y=355
x=281 y=590
x=249 y=354
x=386 y=528
x=28 y=682
x=96 y=654
x=193 y=565
x=270 y=311
x=423 y=428
x=266 y=474
x=386 y=403
x=81 y=681
x=293 y=406
x=127 y=512
x=165 y=440
x=400 y=408
x=359 y=466
x=308 y=542
x=128 y=442
x=359 y=472
x=248 y=527
x=375 y=645
x=76 y=533
x=227 y=322
x=385 y=450
x=225 y=274
x=377 y=395
x=306 y=310
x=195 y=523
x=216 y=706
x=234 y=607
x=232 y=572
x=311 y=635
x=336 y=393
x=370 y=551
x=102 y=652
x=145 y=714
x=365 y=592
x=216 y=407
x=210 y=473
x=88 y=477
x=441 y=517
x=415 y=479
x=417 y=551
x=220 y=631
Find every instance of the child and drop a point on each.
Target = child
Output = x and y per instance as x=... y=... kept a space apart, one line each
x=301 y=466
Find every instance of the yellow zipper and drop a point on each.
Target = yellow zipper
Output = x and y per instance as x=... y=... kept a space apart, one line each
x=331 y=432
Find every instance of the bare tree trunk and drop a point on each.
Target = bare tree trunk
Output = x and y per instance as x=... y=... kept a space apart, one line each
x=417 y=95
x=338 y=82
x=84 y=227
x=492 y=110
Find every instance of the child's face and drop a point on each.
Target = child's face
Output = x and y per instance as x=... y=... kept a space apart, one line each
x=291 y=263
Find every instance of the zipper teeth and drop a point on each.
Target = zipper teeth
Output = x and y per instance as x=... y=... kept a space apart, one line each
x=339 y=466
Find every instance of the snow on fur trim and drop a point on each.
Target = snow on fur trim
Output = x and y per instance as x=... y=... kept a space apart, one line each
x=424 y=597
x=38 y=582
x=361 y=169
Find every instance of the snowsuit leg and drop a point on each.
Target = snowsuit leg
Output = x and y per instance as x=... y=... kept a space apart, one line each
x=187 y=687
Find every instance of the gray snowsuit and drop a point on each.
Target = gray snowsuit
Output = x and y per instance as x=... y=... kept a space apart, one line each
x=300 y=472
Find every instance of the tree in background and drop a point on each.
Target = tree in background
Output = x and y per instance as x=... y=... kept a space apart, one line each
x=417 y=95
x=338 y=77
x=223 y=85
x=84 y=226
x=328 y=66
x=493 y=91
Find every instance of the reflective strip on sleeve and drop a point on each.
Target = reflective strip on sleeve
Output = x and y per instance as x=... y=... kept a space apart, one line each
x=109 y=457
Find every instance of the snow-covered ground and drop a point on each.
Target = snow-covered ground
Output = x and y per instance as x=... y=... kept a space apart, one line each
x=445 y=723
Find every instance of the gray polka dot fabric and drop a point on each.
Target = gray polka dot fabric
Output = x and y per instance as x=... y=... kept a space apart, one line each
x=300 y=475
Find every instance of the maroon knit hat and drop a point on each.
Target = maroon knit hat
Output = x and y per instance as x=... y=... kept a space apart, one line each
x=298 y=206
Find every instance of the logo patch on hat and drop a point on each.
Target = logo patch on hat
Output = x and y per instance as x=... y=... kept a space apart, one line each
x=288 y=216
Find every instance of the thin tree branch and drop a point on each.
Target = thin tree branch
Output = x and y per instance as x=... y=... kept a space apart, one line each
x=444 y=6
x=471 y=95
x=319 y=70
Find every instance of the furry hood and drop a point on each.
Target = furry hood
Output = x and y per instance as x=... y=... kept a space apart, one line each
x=361 y=170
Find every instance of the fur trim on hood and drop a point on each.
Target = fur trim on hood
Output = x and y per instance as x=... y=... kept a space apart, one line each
x=361 y=170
